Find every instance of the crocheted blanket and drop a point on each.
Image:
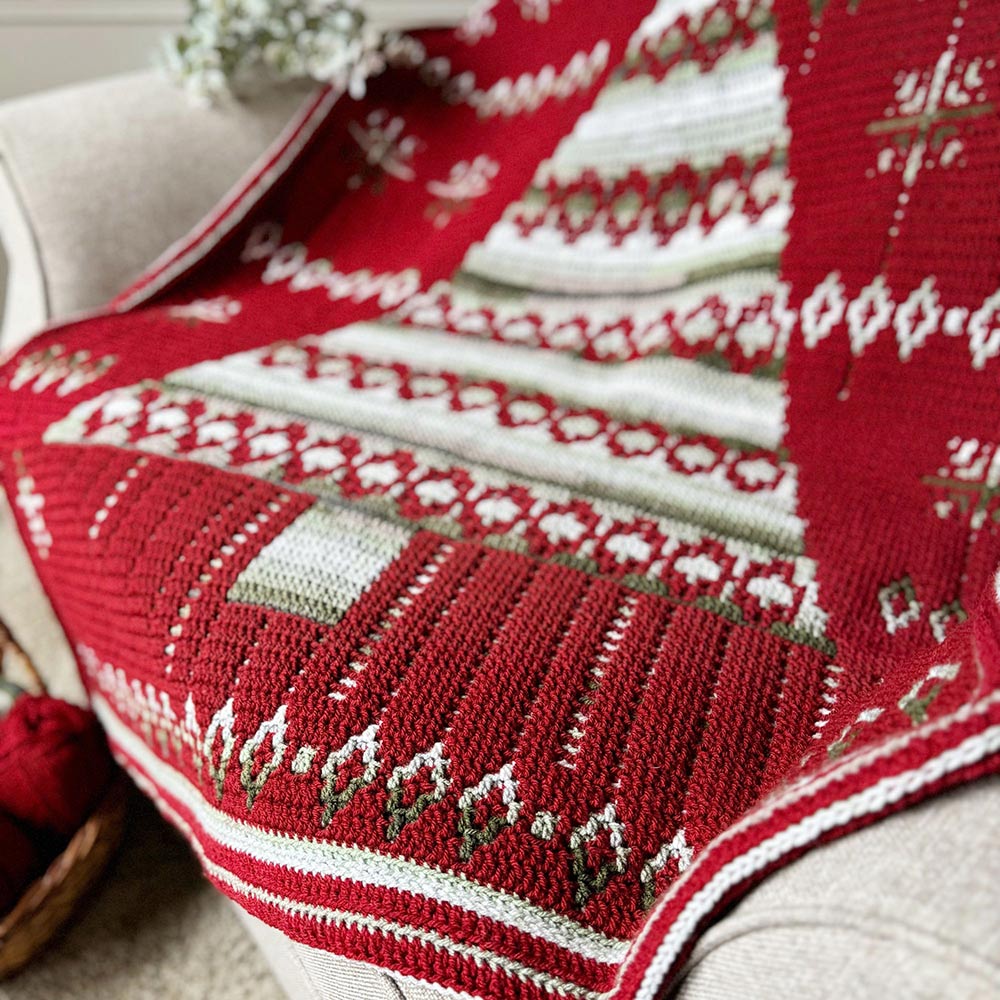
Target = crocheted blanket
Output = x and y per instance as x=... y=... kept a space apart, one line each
x=475 y=541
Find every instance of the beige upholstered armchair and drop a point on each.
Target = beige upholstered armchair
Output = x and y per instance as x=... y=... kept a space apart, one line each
x=95 y=181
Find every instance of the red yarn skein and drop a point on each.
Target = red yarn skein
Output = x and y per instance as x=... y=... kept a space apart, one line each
x=54 y=763
x=19 y=862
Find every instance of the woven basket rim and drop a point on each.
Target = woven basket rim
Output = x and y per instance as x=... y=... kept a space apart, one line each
x=50 y=900
x=9 y=645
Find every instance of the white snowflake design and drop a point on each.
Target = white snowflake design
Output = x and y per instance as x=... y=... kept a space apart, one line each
x=922 y=127
x=968 y=485
x=385 y=148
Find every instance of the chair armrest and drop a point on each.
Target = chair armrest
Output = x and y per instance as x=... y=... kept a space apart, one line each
x=96 y=180
x=904 y=908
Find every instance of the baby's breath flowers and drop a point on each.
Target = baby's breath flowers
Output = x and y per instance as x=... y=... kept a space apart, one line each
x=231 y=46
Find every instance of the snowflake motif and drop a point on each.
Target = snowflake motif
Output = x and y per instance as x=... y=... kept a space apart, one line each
x=968 y=485
x=466 y=182
x=922 y=127
x=385 y=150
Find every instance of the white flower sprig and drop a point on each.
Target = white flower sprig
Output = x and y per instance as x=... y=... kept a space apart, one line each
x=229 y=46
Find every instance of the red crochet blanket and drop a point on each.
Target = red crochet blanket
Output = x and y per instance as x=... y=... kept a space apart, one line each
x=478 y=545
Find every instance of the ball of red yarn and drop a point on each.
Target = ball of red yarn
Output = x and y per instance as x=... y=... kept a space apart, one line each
x=54 y=764
x=20 y=862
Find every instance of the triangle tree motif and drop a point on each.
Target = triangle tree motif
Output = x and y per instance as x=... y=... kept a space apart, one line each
x=475 y=834
x=221 y=724
x=340 y=787
x=274 y=728
x=398 y=813
x=191 y=732
x=590 y=879
x=677 y=850
x=921 y=696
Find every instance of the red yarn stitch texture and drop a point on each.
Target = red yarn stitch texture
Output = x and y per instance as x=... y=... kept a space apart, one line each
x=54 y=764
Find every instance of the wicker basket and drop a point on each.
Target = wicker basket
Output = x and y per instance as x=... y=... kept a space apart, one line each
x=49 y=901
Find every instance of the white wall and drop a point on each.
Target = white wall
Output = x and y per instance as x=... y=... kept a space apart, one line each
x=47 y=43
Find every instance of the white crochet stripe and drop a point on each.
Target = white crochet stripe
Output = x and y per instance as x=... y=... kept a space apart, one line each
x=357 y=864
x=544 y=261
x=659 y=489
x=353 y=921
x=321 y=563
x=871 y=801
x=697 y=118
x=235 y=206
x=674 y=392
